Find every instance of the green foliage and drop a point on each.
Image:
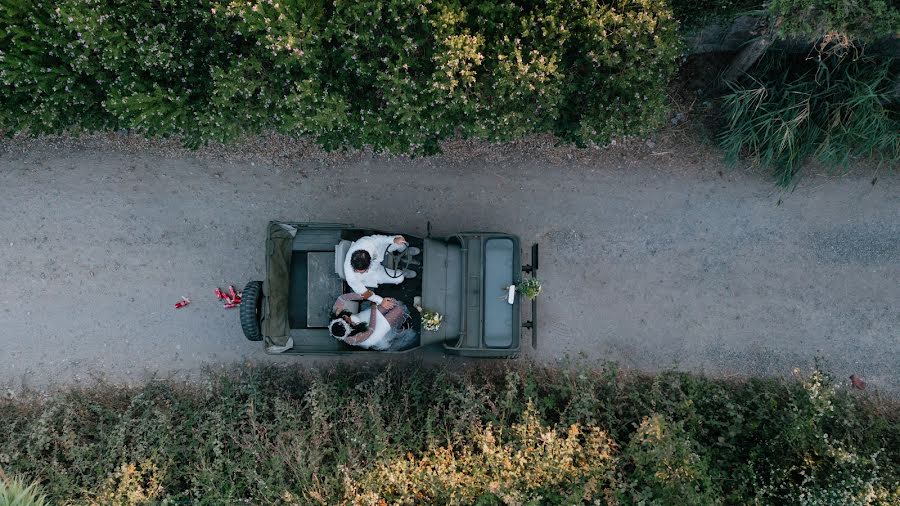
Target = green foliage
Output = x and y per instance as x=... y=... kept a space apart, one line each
x=289 y=436
x=811 y=20
x=618 y=74
x=50 y=80
x=530 y=288
x=693 y=14
x=666 y=468
x=399 y=75
x=527 y=463
x=790 y=109
x=14 y=492
x=841 y=20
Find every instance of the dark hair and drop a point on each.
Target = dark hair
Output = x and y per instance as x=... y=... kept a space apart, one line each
x=337 y=330
x=360 y=260
x=355 y=328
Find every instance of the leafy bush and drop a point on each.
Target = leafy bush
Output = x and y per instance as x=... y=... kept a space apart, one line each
x=836 y=20
x=666 y=468
x=809 y=20
x=824 y=469
x=791 y=109
x=400 y=75
x=528 y=463
x=693 y=14
x=50 y=80
x=618 y=76
x=496 y=435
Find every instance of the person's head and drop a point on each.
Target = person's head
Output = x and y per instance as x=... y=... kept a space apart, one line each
x=342 y=326
x=360 y=260
x=339 y=328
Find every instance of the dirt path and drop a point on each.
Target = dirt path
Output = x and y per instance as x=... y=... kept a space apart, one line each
x=650 y=259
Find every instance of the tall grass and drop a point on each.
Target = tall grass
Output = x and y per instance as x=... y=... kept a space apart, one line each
x=14 y=492
x=831 y=108
x=408 y=434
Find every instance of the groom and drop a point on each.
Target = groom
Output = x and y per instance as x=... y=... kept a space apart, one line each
x=363 y=269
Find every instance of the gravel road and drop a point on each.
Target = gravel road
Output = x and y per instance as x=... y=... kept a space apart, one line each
x=652 y=259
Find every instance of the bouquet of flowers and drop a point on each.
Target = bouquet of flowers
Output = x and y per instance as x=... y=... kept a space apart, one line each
x=530 y=288
x=431 y=320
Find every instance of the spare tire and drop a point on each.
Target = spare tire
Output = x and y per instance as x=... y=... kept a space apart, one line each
x=251 y=299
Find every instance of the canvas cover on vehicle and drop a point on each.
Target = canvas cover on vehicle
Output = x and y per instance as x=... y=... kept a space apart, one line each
x=275 y=326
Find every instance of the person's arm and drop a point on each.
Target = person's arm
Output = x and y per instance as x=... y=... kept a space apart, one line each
x=386 y=242
x=362 y=336
x=375 y=299
x=356 y=284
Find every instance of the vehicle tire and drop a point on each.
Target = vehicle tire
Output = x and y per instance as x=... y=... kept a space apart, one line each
x=251 y=302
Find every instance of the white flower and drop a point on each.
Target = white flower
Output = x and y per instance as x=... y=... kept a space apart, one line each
x=431 y=320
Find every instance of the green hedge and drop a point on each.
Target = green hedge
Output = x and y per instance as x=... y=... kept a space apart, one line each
x=399 y=75
x=491 y=435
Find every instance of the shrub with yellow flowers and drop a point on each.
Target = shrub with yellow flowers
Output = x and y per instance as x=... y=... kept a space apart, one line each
x=397 y=75
x=530 y=463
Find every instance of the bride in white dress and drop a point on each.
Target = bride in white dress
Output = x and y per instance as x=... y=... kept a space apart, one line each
x=381 y=327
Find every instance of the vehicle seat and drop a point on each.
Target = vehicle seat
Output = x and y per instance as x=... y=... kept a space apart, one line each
x=340 y=253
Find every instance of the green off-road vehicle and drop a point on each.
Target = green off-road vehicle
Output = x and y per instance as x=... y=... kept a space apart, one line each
x=468 y=278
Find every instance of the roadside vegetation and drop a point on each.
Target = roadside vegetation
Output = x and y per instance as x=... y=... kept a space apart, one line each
x=835 y=99
x=831 y=109
x=398 y=75
x=694 y=14
x=404 y=434
x=402 y=76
